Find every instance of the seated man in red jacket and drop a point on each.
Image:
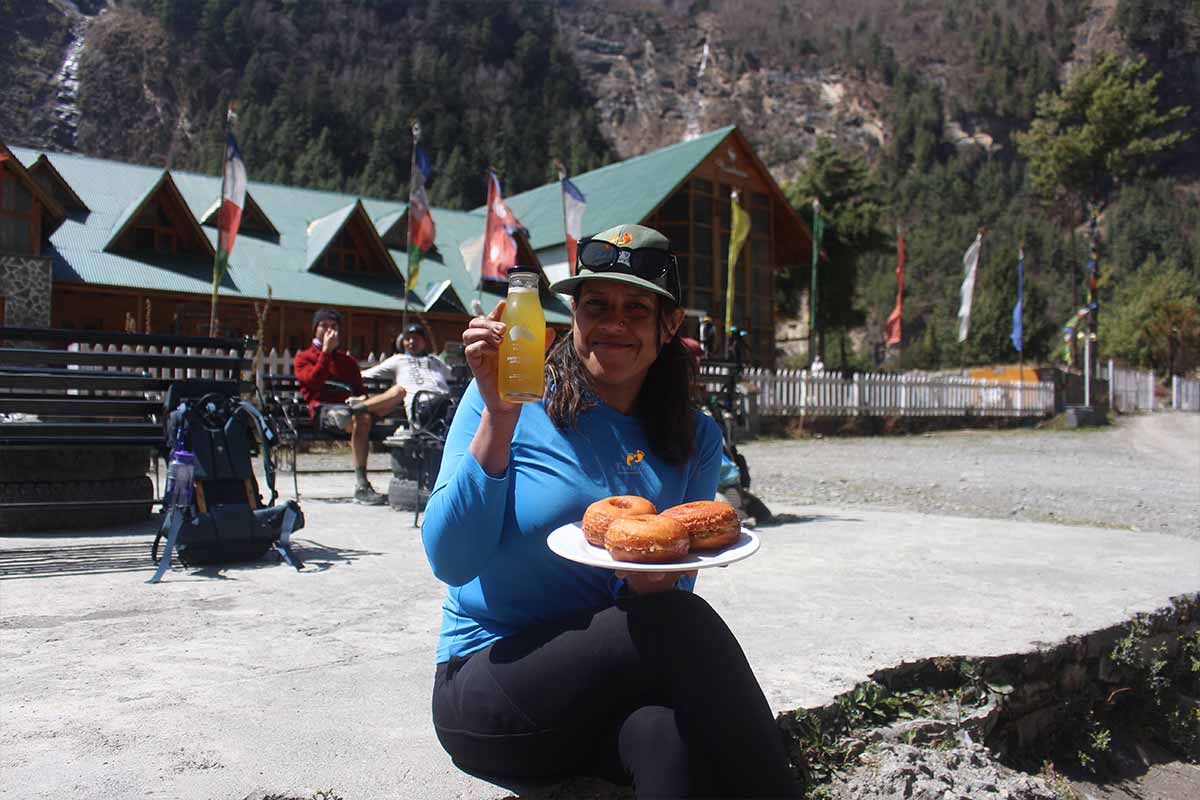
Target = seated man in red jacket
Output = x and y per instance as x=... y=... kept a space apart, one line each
x=331 y=384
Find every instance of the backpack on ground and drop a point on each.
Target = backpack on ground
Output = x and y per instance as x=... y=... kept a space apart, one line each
x=225 y=520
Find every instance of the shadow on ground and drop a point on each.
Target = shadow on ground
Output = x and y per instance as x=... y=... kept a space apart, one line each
x=58 y=555
x=788 y=519
x=75 y=559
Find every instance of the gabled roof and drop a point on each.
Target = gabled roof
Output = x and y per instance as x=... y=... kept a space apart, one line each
x=50 y=206
x=322 y=232
x=165 y=185
x=44 y=166
x=203 y=196
x=391 y=223
x=307 y=220
x=627 y=191
x=253 y=219
x=782 y=204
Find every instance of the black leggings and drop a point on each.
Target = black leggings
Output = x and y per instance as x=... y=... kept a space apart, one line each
x=654 y=689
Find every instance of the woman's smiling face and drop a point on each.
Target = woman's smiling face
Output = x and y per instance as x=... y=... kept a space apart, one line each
x=617 y=337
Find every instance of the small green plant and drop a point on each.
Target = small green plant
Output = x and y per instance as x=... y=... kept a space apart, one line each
x=1189 y=649
x=1057 y=783
x=1097 y=741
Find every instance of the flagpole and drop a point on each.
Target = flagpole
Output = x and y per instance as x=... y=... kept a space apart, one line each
x=812 y=316
x=416 y=132
x=1021 y=303
x=562 y=176
x=899 y=299
x=212 y=308
x=491 y=176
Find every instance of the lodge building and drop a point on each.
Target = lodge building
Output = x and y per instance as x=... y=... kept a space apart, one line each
x=116 y=246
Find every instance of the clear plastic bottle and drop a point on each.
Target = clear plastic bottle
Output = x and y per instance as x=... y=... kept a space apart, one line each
x=523 y=351
x=179 y=479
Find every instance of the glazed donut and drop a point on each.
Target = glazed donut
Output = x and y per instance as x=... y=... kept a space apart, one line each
x=711 y=525
x=600 y=514
x=647 y=538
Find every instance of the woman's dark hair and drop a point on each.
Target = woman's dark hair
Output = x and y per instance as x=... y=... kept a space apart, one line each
x=664 y=404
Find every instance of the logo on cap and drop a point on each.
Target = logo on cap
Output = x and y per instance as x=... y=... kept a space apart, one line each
x=624 y=239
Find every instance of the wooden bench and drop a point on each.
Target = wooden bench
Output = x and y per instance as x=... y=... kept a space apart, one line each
x=81 y=415
x=282 y=401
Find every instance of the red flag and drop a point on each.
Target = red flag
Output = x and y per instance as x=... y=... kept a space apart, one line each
x=499 y=246
x=894 y=319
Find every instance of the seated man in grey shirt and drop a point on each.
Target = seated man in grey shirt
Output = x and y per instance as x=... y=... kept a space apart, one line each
x=415 y=369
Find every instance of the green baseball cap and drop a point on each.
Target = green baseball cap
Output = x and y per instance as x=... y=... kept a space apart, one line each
x=632 y=254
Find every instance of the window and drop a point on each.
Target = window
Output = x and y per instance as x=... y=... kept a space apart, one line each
x=760 y=220
x=18 y=216
x=13 y=196
x=153 y=231
x=15 y=236
x=343 y=256
x=702 y=240
x=677 y=235
x=685 y=275
x=676 y=209
x=760 y=265
x=702 y=276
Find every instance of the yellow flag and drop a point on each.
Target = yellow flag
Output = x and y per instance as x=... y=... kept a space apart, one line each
x=740 y=226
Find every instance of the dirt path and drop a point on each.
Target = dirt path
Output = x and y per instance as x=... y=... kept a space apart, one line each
x=1142 y=473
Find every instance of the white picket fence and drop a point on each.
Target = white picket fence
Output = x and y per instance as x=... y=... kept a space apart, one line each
x=166 y=373
x=1185 y=394
x=272 y=363
x=781 y=392
x=1129 y=390
x=788 y=392
x=276 y=363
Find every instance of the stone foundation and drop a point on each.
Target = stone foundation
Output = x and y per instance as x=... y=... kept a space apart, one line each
x=25 y=286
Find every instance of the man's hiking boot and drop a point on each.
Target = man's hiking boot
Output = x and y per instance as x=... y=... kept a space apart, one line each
x=367 y=496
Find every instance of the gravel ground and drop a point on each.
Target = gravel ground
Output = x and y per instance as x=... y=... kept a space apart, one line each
x=1141 y=473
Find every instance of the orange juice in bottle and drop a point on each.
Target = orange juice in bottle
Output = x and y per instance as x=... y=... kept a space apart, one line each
x=523 y=351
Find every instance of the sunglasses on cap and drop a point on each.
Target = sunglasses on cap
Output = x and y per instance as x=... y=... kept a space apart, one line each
x=648 y=263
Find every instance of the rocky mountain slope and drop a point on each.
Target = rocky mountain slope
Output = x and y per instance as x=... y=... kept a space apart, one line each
x=658 y=70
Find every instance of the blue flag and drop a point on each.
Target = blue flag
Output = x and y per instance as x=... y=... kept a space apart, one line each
x=1017 y=333
x=421 y=159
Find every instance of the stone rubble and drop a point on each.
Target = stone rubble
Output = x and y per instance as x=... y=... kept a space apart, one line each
x=967 y=772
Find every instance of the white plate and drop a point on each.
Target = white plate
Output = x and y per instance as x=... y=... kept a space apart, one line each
x=570 y=543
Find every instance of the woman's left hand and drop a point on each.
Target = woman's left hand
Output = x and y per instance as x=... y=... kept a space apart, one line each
x=651 y=582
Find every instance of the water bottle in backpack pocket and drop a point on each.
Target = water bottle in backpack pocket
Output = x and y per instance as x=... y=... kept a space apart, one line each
x=180 y=475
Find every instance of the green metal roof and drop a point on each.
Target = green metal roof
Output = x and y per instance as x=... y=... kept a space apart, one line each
x=618 y=193
x=123 y=218
x=388 y=221
x=307 y=220
x=52 y=212
x=165 y=183
x=321 y=232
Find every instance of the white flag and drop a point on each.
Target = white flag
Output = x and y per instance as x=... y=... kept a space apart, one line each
x=970 y=266
x=472 y=256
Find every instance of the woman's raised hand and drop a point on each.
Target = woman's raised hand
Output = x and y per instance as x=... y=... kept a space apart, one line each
x=481 y=345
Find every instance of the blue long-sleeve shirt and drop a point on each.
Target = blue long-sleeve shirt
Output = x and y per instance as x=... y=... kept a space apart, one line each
x=486 y=537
